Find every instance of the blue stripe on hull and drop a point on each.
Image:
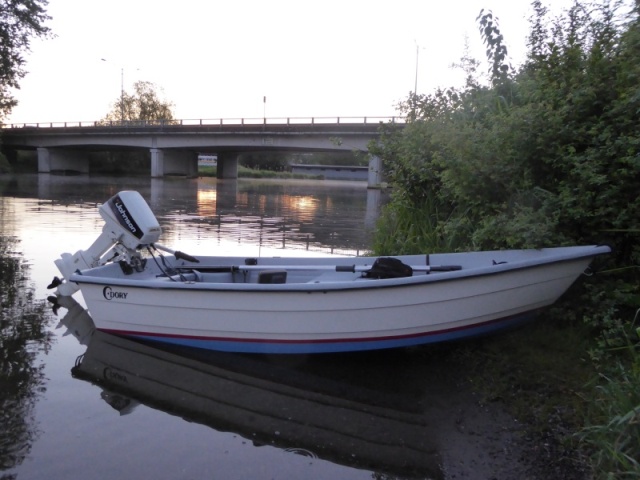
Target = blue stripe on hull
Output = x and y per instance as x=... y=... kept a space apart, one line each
x=330 y=346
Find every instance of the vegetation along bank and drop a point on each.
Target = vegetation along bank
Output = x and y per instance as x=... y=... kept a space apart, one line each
x=540 y=155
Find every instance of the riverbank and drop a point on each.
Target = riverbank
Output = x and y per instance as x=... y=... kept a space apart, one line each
x=572 y=418
x=243 y=172
x=540 y=376
x=509 y=406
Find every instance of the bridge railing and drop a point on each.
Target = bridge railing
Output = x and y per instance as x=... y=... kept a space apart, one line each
x=214 y=121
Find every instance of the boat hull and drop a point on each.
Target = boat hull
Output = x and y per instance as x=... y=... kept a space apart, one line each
x=336 y=316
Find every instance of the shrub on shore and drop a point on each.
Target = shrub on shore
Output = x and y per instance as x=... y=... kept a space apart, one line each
x=542 y=155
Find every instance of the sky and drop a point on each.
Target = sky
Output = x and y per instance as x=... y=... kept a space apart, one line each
x=220 y=58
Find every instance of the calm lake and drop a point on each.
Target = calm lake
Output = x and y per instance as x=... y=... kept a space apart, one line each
x=179 y=414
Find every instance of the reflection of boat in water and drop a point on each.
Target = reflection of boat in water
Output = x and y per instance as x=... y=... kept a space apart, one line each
x=267 y=402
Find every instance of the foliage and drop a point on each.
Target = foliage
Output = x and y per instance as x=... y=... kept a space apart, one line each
x=329 y=158
x=543 y=155
x=419 y=223
x=546 y=155
x=615 y=435
x=120 y=162
x=23 y=333
x=281 y=161
x=496 y=49
x=20 y=21
x=244 y=172
x=273 y=161
x=144 y=104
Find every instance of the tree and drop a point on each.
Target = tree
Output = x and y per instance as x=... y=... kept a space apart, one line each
x=144 y=104
x=20 y=21
x=545 y=155
x=496 y=50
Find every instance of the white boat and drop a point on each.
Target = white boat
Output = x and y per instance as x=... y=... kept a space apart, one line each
x=305 y=305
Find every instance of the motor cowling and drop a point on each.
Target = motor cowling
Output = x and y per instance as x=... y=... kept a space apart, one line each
x=130 y=220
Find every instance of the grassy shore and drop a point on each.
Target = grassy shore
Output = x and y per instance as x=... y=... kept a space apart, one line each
x=582 y=414
x=243 y=172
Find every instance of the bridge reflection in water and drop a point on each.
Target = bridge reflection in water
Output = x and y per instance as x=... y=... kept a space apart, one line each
x=210 y=216
x=296 y=215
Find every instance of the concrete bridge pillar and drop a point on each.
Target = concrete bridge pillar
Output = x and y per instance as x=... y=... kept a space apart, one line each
x=52 y=160
x=375 y=172
x=44 y=160
x=227 y=165
x=157 y=163
x=173 y=162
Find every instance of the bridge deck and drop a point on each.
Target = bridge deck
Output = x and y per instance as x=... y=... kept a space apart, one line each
x=173 y=145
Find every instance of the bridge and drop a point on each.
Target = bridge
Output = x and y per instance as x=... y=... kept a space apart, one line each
x=174 y=145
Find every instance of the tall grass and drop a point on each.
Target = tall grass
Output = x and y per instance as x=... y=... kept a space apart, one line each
x=614 y=435
x=414 y=227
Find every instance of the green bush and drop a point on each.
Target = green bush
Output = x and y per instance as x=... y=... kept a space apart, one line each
x=545 y=155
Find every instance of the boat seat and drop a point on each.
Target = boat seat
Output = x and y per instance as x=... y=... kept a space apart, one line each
x=272 y=276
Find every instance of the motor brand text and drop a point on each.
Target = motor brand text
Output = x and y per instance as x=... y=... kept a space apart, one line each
x=125 y=217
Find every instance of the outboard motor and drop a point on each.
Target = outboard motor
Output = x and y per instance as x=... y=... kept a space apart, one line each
x=129 y=225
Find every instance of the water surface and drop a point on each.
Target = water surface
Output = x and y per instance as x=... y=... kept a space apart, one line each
x=93 y=406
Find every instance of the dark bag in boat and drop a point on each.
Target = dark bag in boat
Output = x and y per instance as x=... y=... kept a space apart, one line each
x=388 y=267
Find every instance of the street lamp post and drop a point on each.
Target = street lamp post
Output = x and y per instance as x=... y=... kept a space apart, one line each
x=122 y=94
x=121 y=91
x=415 y=85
